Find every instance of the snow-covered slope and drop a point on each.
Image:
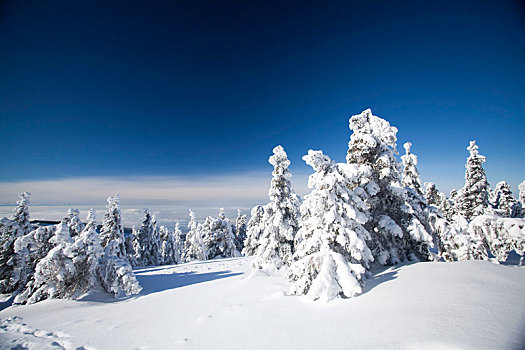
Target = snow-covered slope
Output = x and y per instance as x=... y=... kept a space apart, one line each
x=220 y=304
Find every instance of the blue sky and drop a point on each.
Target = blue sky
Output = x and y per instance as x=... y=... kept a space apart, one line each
x=201 y=91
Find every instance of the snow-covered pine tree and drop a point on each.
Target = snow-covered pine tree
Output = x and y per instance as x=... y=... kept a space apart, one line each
x=218 y=237
x=473 y=197
x=115 y=271
x=128 y=244
x=332 y=255
x=112 y=234
x=416 y=197
x=86 y=252
x=21 y=212
x=10 y=230
x=281 y=217
x=117 y=277
x=504 y=202
x=29 y=250
x=69 y=270
x=73 y=222
x=499 y=235
x=171 y=245
x=397 y=233
x=432 y=195
x=146 y=243
x=239 y=231
x=457 y=244
x=410 y=176
x=193 y=246
x=254 y=231
x=521 y=188
x=62 y=233
x=54 y=273
x=178 y=238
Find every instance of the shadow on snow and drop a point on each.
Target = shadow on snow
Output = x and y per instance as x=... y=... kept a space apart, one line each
x=154 y=283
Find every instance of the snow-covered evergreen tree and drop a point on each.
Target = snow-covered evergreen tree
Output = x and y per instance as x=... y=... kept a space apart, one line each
x=172 y=245
x=117 y=277
x=146 y=244
x=193 y=246
x=504 y=202
x=29 y=250
x=332 y=255
x=10 y=230
x=218 y=237
x=115 y=272
x=86 y=252
x=521 y=188
x=73 y=222
x=499 y=235
x=112 y=234
x=397 y=233
x=128 y=244
x=62 y=233
x=254 y=231
x=69 y=270
x=457 y=244
x=473 y=197
x=432 y=195
x=239 y=230
x=410 y=177
x=281 y=217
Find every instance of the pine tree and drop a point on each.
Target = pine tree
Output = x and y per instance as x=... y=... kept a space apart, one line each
x=332 y=255
x=397 y=233
x=281 y=217
x=146 y=243
x=254 y=231
x=86 y=252
x=521 y=188
x=239 y=231
x=69 y=270
x=29 y=250
x=410 y=176
x=73 y=222
x=432 y=195
x=10 y=230
x=218 y=237
x=53 y=273
x=62 y=233
x=112 y=234
x=457 y=244
x=473 y=197
x=499 y=235
x=171 y=245
x=504 y=202
x=193 y=246
x=115 y=272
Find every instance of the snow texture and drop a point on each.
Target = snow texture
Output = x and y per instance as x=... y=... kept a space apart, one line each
x=472 y=305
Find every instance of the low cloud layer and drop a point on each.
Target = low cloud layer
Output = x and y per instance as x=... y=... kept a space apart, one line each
x=243 y=189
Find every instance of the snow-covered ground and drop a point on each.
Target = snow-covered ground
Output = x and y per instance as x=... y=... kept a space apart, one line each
x=220 y=304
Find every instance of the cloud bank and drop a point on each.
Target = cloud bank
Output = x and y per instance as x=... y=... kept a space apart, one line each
x=227 y=189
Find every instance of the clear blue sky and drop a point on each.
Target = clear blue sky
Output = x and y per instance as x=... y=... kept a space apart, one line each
x=199 y=88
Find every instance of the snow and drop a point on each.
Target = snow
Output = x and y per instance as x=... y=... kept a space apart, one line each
x=222 y=304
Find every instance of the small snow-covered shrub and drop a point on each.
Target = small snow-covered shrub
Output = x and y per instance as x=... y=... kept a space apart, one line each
x=500 y=235
x=117 y=277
